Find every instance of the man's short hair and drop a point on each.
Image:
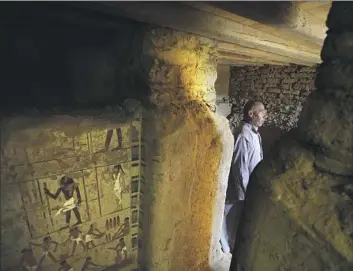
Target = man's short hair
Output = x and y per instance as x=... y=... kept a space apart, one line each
x=248 y=106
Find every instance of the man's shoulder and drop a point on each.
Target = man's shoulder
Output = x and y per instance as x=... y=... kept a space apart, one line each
x=246 y=133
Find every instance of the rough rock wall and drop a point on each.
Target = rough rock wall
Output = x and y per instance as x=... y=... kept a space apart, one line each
x=72 y=57
x=71 y=60
x=283 y=89
x=188 y=154
x=36 y=152
x=308 y=179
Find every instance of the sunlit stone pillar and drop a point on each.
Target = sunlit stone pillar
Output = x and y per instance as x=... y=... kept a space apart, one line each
x=298 y=210
x=188 y=153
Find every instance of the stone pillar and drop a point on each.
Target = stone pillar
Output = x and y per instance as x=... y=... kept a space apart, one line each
x=223 y=105
x=188 y=153
x=298 y=210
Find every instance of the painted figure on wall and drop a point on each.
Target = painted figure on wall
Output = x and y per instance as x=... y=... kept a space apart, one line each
x=28 y=261
x=123 y=230
x=108 y=140
x=67 y=187
x=92 y=233
x=121 y=251
x=89 y=265
x=48 y=242
x=64 y=266
x=119 y=183
x=77 y=237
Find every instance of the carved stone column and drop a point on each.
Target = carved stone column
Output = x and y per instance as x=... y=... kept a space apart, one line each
x=188 y=153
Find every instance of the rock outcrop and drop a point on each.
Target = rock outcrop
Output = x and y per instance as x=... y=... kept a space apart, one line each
x=298 y=210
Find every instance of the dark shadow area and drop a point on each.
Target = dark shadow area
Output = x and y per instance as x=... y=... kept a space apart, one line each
x=270 y=135
x=264 y=12
x=57 y=55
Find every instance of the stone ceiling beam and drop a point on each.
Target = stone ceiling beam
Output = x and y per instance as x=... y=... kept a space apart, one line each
x=287 y=16
x=235 y=48
x=290 y=38
x=247 y=59
x=224 y=61
x=304 y=23
x=190 y=20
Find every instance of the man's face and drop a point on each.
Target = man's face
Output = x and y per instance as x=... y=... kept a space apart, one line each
x=258 y=114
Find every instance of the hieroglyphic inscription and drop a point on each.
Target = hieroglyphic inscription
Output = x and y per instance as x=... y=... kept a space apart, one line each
x=71 y=199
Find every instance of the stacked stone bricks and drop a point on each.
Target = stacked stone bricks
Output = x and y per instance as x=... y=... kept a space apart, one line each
x=283 y=89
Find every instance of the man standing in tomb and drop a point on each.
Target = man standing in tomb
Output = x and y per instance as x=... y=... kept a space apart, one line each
x=247 y=154
x=68 y=187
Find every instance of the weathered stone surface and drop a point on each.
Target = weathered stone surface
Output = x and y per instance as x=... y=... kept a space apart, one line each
x=298 y=210
x=188 y=153
x=180 y=61
x=289 y=186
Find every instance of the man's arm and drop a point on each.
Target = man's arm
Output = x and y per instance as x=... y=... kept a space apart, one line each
x=46 y=190
x=240 y=169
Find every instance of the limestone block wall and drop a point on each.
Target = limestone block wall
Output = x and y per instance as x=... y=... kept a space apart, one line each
x=36 y=152
x=283 y=89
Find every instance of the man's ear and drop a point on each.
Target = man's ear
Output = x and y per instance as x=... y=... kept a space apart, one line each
x=251 y=113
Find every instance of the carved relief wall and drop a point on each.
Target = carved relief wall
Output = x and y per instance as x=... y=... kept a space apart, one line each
x=71 y=201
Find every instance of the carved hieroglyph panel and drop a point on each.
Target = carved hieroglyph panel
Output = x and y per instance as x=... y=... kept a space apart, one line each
x=42 y=221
